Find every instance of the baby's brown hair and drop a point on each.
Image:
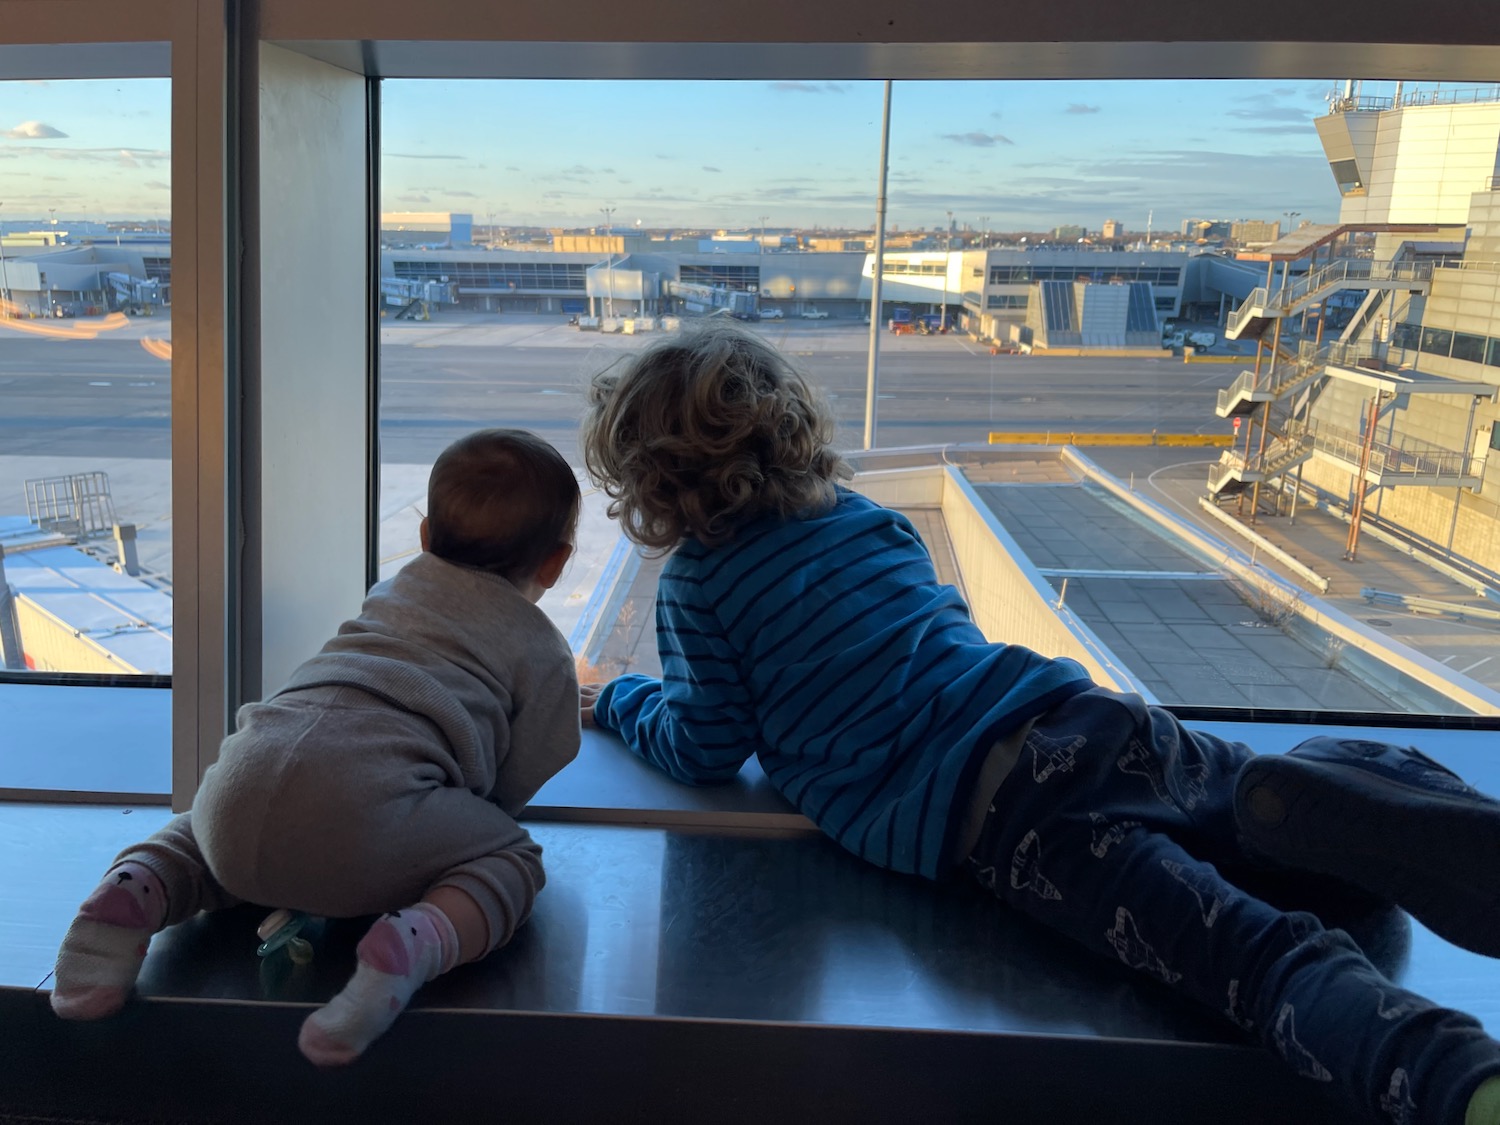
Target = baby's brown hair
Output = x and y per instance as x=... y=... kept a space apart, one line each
x=501 y=501
x=702 y=433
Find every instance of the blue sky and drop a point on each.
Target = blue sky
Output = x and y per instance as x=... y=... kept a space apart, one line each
x=1029 y=155
x=88 y=149
x=1023 y=155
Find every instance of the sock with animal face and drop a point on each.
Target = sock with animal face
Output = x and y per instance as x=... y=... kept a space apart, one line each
x=102 y=953
x=400 y=953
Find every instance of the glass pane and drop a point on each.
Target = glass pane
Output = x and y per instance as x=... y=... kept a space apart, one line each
x=85 y=340
x=1094 y=282
x=1468 y=346
x=1437 y=341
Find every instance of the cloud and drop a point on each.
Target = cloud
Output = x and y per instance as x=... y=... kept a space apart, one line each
x=426 y=156
x=511 y=168
x=414 y=197
x=33 y=131
x=808 y=87
x=996 y=114
x=1080 y=107
x=1264 y=107
x=1274 y=130
x=462 y=194
x=711 y=168
x=130 y=157
x=978 y=140
x=158 y=185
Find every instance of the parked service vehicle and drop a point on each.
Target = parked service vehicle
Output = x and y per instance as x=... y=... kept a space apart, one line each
x=814 y=314
x=1202 y=339
x=770 y=314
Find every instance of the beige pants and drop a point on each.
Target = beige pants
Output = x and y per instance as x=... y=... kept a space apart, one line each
x=333 y=802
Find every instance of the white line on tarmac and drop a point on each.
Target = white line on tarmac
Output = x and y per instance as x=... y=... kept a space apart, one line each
x=1476 y=664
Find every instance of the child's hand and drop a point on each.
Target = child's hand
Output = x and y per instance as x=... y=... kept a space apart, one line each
x=588 y=695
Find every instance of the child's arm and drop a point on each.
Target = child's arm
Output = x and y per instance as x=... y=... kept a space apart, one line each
x=696 y=723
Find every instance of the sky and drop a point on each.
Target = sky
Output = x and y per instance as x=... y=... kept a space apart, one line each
x=1002 y=156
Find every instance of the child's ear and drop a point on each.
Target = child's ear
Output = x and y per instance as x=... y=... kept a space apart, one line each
x=422 y=533
x=552 y=566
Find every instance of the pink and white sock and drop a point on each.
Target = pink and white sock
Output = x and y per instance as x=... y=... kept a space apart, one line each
x=400 y=953
x=102 y=952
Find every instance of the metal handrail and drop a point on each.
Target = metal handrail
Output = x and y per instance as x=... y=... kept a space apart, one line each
x=1344 y=273
x=1462 y=96
x=1408 y=457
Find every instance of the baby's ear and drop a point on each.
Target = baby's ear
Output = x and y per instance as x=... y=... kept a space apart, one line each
x=552 y=566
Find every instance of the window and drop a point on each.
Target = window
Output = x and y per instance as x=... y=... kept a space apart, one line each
x=85 y=350
x=1437 y=341
x=557 y=253
x=1468 y=346
x=1406 y=335
x=1346 y=175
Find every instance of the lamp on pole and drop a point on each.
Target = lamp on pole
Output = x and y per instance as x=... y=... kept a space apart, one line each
x=609 y=261
x=1290 y=215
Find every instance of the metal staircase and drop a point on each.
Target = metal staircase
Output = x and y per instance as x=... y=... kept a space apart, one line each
x=1234 y=470
x=1265 y=305
x=1249 y=390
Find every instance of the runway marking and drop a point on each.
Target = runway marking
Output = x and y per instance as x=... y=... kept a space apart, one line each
x=1476 y=664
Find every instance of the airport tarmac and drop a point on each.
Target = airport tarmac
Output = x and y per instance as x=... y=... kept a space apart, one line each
x=1047 y=388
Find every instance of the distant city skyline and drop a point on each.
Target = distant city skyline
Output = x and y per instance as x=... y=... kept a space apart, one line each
x=1000 y=156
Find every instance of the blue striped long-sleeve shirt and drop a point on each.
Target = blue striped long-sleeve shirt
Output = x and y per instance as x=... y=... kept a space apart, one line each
x=827 y=647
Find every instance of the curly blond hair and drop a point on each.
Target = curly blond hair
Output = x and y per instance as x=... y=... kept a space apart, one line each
x=702 y=433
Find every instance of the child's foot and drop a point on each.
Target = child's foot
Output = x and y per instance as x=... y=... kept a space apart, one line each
x=399 y=954
x=1388 y=820
x=102 y=953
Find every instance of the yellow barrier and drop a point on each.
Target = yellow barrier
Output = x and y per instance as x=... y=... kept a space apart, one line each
x=1222 y=441
x=1218 y=359
x=1101 y=353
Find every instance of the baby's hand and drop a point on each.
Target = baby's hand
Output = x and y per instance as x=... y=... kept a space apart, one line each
x=588 y=695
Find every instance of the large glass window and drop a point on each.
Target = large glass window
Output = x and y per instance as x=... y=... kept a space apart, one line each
x=85 y=340
x=521 y=255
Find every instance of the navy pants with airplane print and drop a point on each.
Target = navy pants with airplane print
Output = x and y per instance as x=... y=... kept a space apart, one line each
x=1114 y=827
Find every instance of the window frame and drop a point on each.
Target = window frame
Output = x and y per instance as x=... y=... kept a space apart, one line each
x=213 y=44
x=184 y=41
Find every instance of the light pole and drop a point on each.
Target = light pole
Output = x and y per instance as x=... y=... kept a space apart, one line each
x=984 y=221
x=947 y=253
x=1290 y=215
x=4 y=276
x=609 y=261
x=872 y=377
x=760 y=270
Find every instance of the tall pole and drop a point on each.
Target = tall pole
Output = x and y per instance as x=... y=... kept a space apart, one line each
x=609 y=261
x=947 y=253
x=872 y=381
x=4 y=276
